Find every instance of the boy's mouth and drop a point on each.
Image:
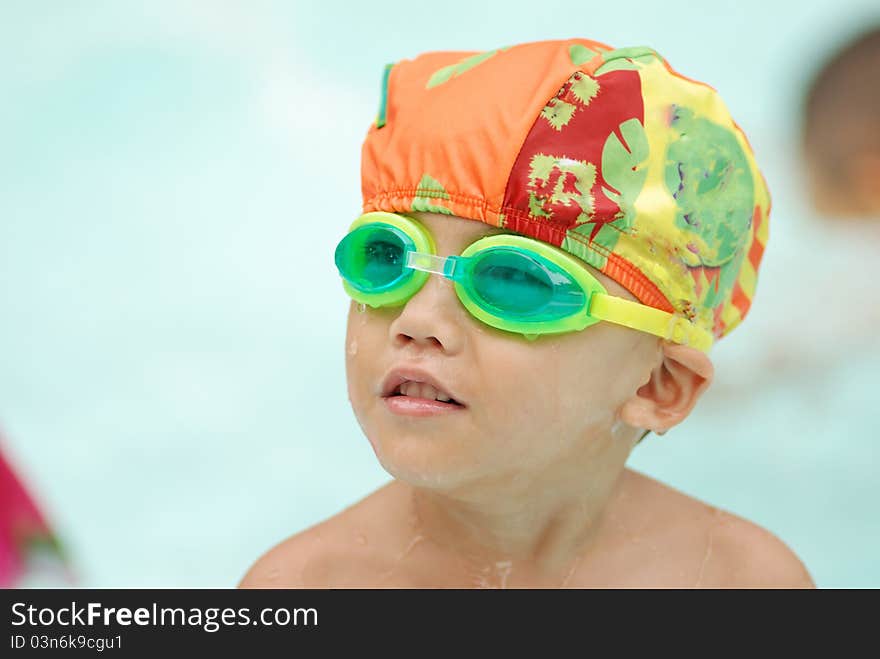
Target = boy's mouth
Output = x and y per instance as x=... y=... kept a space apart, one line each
x=416 y=383
x=423 y=390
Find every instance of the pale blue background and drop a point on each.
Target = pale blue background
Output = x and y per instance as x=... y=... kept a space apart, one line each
x=173 y=177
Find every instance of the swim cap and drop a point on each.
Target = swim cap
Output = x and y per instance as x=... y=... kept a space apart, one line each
x=609 y=154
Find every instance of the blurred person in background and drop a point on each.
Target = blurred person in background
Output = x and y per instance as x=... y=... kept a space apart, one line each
x=817 y=299
x=841 y=132
x=29 y=551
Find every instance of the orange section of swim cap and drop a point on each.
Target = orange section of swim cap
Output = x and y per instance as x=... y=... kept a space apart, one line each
x=455 y=122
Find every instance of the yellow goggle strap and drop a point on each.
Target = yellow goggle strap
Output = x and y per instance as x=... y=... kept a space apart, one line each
x=638 y=316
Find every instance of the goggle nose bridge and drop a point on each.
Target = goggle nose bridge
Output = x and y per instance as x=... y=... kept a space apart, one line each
x=445 y=266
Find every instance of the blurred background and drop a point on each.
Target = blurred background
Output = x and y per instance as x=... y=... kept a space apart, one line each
x=173 y=179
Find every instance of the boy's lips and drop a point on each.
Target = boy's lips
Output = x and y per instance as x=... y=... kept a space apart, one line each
x=402 y=374
x=419 y=407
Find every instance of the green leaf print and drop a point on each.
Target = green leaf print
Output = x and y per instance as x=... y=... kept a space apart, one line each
x=447 y=72
x=430 y=188
x=558 y=113
x=709 y=176
x=580 y=54
x=624 y=166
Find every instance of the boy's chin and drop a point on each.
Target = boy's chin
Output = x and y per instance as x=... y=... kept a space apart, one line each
x=416 y=462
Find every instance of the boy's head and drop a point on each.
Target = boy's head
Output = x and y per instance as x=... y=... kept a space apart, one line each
x=841 y=130
x=606 y=155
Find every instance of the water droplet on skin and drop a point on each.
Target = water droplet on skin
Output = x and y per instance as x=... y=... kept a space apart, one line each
x=361 y=307
x=618 y=430
x=361 y=539
x=273 y=574
x=353 y=348
x=503 y=570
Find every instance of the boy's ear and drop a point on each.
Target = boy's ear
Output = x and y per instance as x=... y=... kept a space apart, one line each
x=672 y=390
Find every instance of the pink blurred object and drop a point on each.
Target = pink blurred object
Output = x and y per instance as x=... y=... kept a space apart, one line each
x=23 y=529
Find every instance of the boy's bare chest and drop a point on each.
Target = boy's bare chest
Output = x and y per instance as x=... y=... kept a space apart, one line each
x=634 y=568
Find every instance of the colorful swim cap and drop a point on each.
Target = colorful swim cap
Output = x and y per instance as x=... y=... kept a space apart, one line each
x=609 y=154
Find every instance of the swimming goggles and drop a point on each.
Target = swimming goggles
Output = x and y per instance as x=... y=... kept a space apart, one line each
x=508 y=281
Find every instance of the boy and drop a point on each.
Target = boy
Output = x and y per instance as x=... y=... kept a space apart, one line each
x=553 y=235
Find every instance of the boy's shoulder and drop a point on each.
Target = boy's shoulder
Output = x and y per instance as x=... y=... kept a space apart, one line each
x=322 y=555
x=669 y=539
x=723 y=549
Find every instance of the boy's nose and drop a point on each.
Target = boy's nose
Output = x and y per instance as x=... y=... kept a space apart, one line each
x=433 y=316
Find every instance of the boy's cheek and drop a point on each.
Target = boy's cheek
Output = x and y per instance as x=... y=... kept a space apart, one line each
x=358 y=385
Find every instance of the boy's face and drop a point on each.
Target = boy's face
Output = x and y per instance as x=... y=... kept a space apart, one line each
x=528 y=406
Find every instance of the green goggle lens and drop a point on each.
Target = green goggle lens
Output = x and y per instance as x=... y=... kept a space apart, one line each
x=508 y=282
x=372 y=258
